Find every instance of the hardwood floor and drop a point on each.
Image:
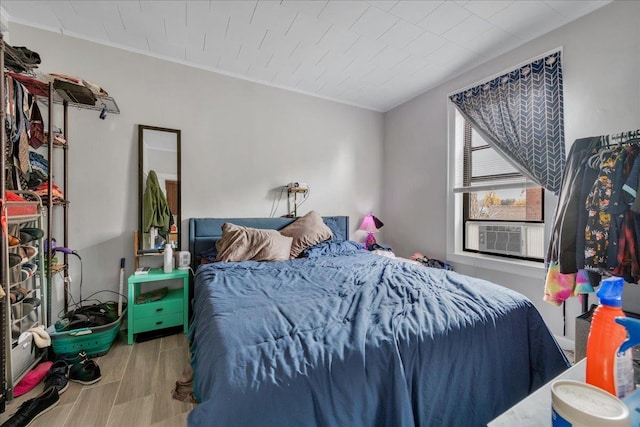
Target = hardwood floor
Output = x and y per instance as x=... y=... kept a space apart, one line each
x=135 y=389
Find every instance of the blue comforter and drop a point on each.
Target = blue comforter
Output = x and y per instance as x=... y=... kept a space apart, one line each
x=361 y=340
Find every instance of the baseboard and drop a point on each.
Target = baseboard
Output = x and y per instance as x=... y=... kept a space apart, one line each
x=565 y=343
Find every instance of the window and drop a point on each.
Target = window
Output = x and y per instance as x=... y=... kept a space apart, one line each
x=502 y=211
x=498 y=205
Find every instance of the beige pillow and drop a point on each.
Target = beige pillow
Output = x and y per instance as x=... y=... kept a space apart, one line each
x=306 y=231
x=251 y=244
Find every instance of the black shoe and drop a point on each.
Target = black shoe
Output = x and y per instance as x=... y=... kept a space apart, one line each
x=30 y=234
x=82 y=369
x=58 y=376
x=33 y=408
x=85 y=373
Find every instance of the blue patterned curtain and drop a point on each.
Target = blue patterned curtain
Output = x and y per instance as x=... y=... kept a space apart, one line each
x=520 y=114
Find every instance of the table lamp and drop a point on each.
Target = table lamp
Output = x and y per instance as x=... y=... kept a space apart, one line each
x=371 y=225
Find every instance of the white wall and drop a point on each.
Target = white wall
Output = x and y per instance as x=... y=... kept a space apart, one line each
x=240 y=141
x=601 y=59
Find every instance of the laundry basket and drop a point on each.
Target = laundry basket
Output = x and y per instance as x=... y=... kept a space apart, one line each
x=95 y=341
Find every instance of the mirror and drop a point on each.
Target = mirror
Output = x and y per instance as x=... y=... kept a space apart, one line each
x=158 y=187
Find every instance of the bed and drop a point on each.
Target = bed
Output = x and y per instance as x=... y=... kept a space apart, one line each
x=351 y=338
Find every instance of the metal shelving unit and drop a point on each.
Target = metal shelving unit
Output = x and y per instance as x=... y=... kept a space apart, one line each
x=4 y=245
x=58 y=93
x=22 y=357
x=16 y=363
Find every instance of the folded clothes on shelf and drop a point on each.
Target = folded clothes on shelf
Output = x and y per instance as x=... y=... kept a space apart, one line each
x=58 y=137
x=39 y=163
x=56 y=193
x=94 y=88
x=10 y=196
x=33 y=85
x=18 y=205
x=20 y=59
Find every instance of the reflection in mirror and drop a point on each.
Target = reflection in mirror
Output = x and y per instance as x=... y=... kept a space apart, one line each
x=158 y=187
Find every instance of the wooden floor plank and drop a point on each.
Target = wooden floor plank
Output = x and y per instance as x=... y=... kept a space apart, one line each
x=133 y=413
x=113 y=364
x=55 y=417
x=178 y=420
x=170 y=366
x=93 y=406
x=173 y=341
x=138 y=377
x=70 y=395
x=135 y=389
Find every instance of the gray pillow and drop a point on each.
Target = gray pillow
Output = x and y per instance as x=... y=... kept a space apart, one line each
x=251 y=244
x=306 y=231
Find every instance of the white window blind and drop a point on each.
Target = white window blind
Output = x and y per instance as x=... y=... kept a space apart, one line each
x=487 y=169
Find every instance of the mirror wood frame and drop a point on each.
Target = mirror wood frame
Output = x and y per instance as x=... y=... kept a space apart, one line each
x=141 y=183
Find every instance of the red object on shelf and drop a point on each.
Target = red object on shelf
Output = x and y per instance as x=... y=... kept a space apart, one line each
x=18 y=206
x=34 y=86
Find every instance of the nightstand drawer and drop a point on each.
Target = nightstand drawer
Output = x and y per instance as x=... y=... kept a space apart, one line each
x=157 y=322
x=172 y=303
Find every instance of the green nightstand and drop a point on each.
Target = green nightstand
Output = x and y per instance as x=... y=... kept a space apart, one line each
x=172 y=310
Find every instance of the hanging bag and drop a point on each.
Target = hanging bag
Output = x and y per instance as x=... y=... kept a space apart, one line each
x=36 y=130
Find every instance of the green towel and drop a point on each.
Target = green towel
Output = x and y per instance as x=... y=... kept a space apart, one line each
x=155 y=212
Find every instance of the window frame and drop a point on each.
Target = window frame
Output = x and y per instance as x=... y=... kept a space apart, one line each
x=467 y=164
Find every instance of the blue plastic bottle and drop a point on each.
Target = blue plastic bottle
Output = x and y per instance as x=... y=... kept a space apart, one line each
x=633 y=400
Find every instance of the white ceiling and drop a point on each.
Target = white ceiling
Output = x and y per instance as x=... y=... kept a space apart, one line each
x=373 y=54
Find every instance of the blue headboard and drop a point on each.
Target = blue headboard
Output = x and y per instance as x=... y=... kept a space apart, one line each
x=204 y=232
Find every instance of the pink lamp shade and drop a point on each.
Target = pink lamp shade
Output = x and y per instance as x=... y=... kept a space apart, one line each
x=371 y=225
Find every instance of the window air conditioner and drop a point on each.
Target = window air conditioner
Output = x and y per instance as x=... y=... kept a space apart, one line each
x=499 y=239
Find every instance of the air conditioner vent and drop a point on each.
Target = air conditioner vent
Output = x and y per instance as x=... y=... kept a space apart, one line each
x=508 y=240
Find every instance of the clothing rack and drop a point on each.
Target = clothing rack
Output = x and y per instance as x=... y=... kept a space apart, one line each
x=587 y=154
x=624 y=137
x=613 y=140
x=617 y=139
